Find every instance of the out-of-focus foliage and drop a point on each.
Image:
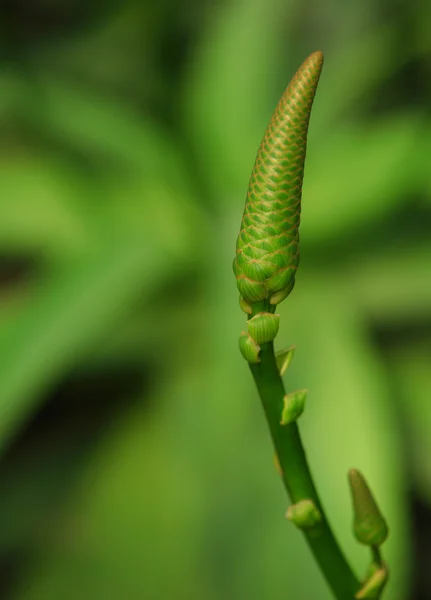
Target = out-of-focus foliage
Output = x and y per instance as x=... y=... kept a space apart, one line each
x=135 y=458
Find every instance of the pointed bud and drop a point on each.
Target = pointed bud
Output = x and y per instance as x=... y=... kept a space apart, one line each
x=294 y=404
x=369 y=526
x=283 y=359
x=249 y=348
x=263 y=327
x=304 y=514
x=373 y=587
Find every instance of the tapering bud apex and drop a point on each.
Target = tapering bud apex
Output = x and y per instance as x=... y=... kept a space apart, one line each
x=294 y=404
x=283 y=359
x=249 y=348
x=304 y=514
x=369 y=526
x=373 y=587
x=263 y=327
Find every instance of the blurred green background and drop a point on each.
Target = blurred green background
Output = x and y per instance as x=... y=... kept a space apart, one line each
x=135 y=460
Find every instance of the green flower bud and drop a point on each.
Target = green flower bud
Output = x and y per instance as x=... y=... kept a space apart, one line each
x=267 y=250
x=293 y=406
x=249 y=348
x=263 y=327
x=283 y=359
x=304 y=514
x=369 y=526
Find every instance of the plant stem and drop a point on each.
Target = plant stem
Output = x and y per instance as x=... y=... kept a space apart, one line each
x=377 y=555
x=297 y=477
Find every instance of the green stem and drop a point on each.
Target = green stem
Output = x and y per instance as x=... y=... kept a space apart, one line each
x=297 y=477
x=377 y=556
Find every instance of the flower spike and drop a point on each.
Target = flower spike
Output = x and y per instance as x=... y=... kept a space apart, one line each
x=267 y=253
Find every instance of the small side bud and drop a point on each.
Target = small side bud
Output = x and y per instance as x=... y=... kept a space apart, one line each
x=263 y=327
x=283 y=359
x=245 y=306
x=281 y=295
x=249 y=348
x=369 y=526
x=294 y=404
x=304 y=514
x=373 y=587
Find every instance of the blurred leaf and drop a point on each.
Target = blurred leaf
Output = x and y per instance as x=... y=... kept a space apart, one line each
x=102 y=130
x=40 y=212
x=392 y=286
x=365 y=61
x=155 y=332
x=229 y=88
x=141 y=203
x=360 y=176
x=119 y=53
x=125 y=529
x=66 y=317
x=26 y=24
x=409 y=365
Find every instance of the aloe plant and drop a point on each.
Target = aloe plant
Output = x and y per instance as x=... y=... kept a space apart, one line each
x=265 y=265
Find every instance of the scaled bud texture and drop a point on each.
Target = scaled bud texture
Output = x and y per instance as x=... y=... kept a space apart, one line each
x=267 y=250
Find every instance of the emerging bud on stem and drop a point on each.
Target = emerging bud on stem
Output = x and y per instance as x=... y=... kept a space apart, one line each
x=263 y=327
x=294 y=404
x=369 y=526
x=249 y=348
x=304 y=514
x=284 y=358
